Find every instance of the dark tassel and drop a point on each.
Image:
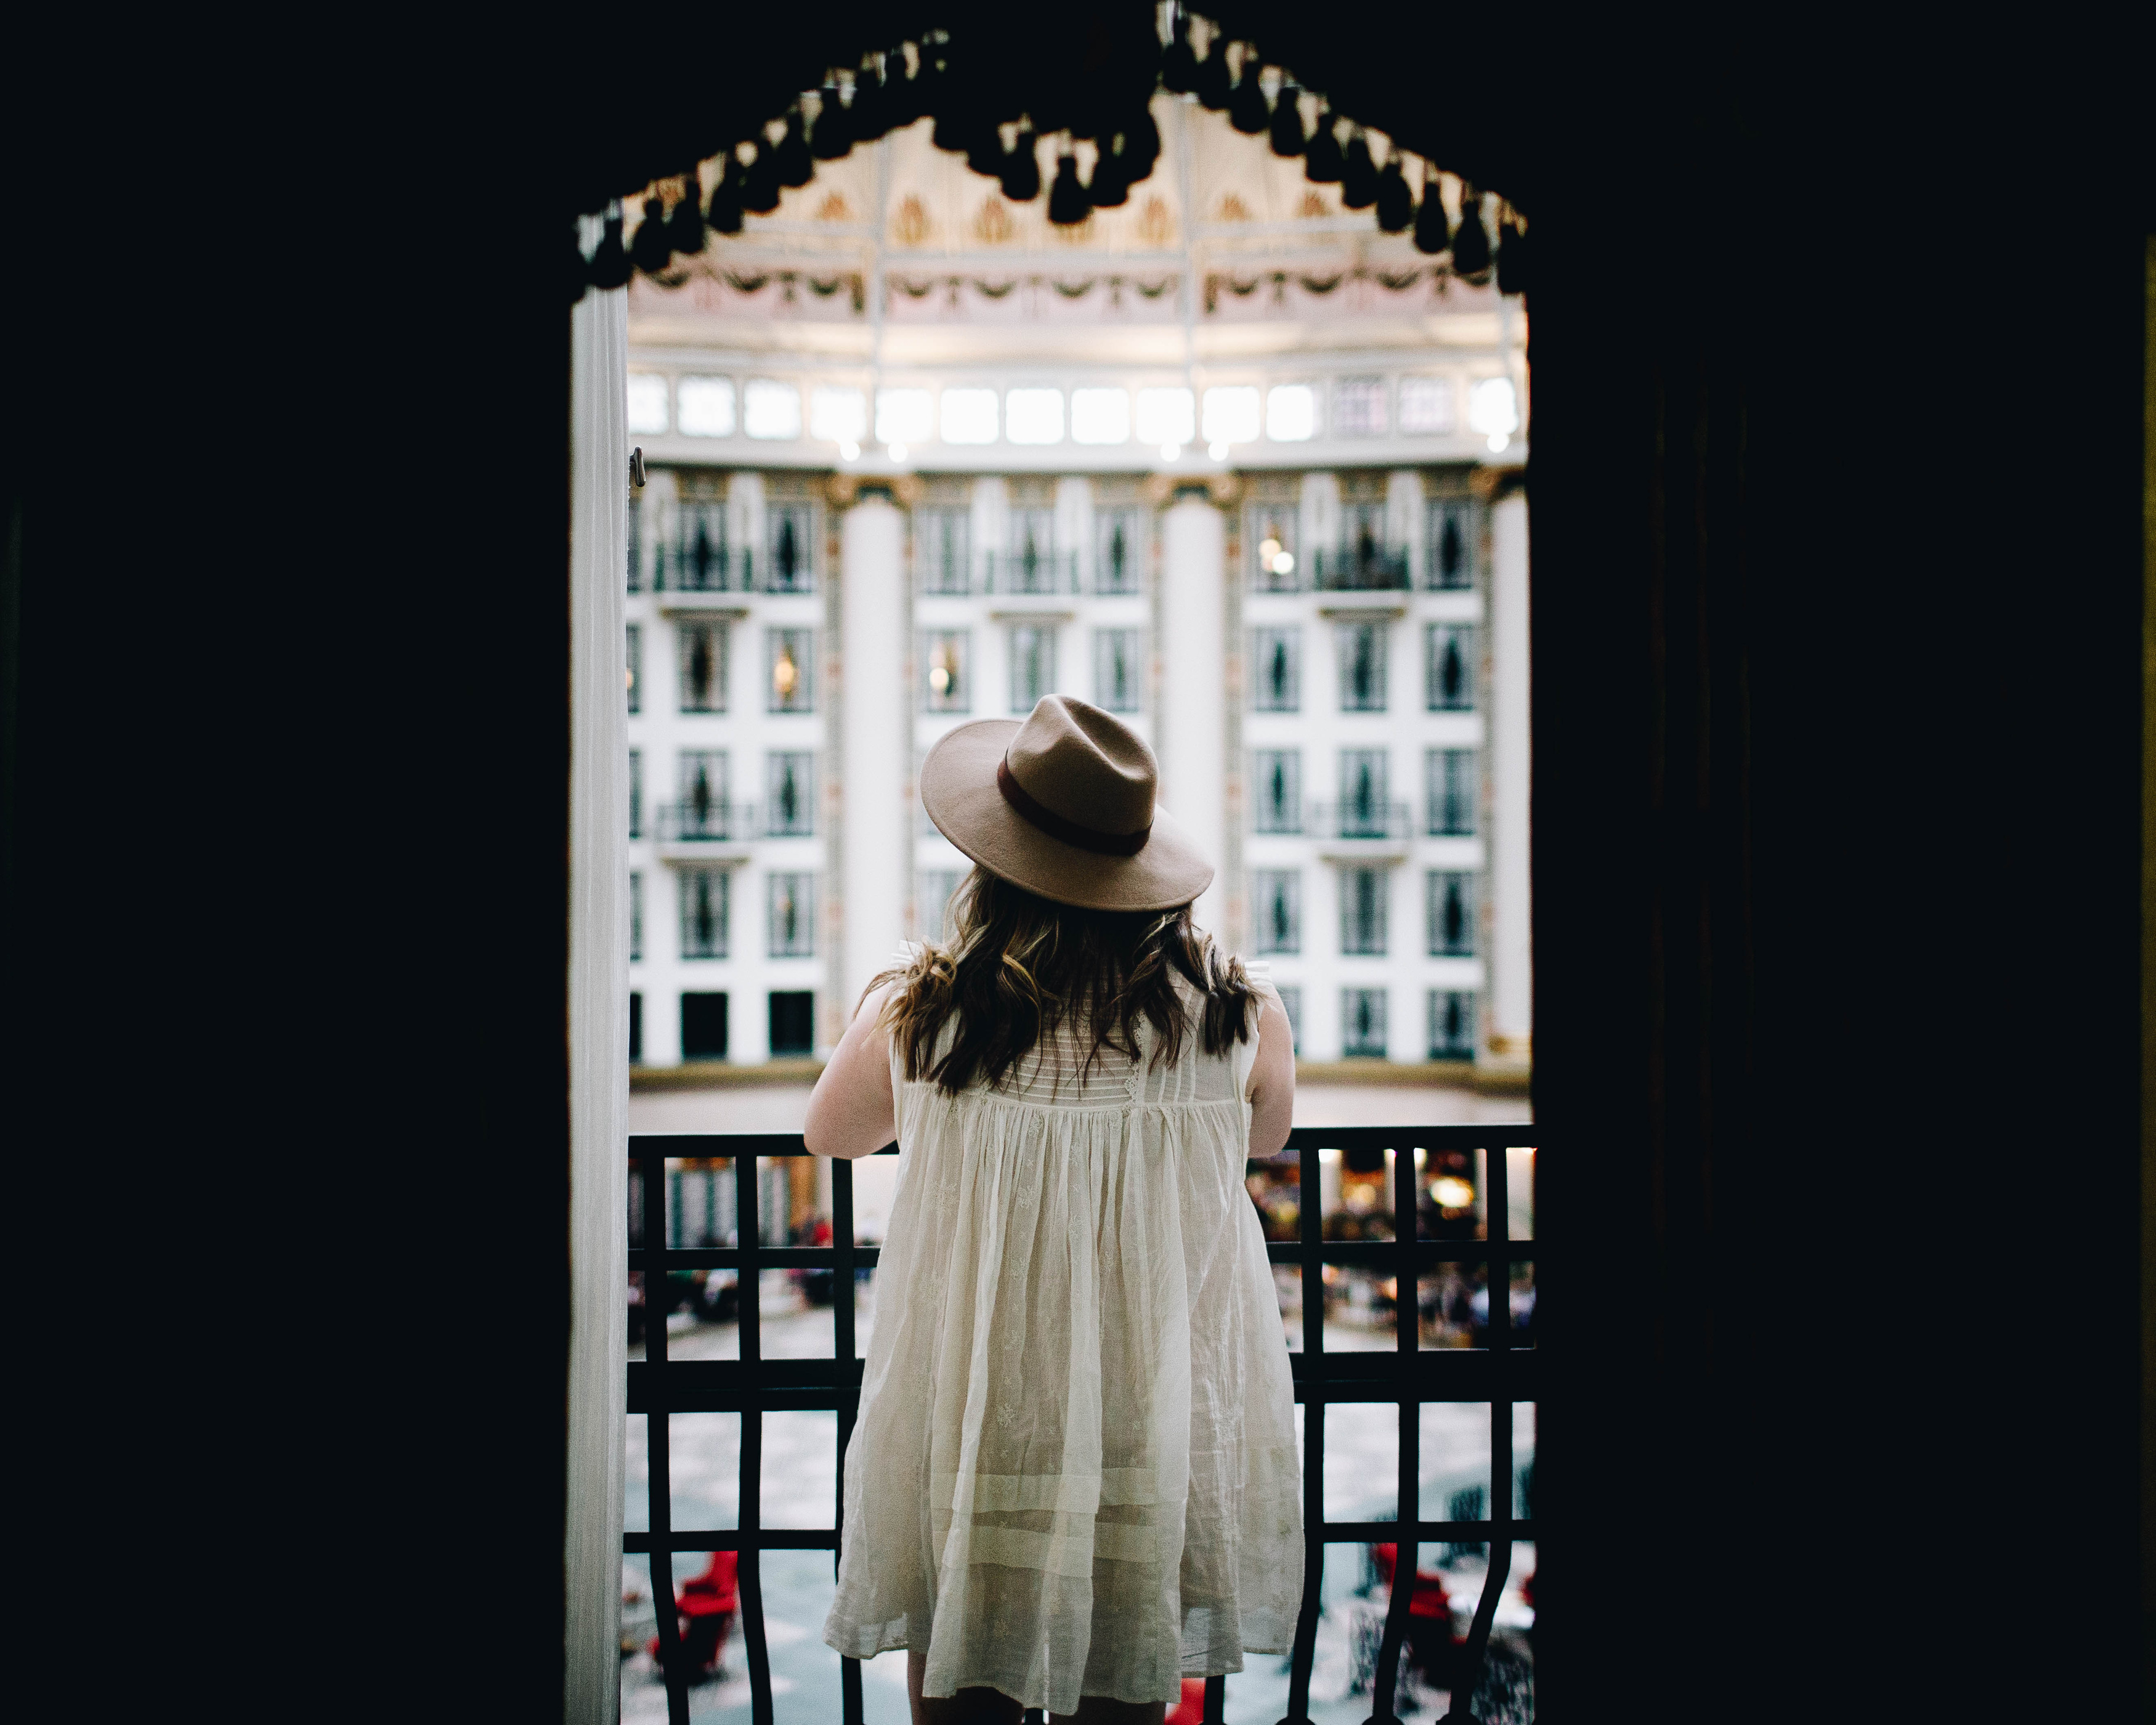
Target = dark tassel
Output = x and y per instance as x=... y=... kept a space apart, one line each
x=1110 y=188
x=1178 y=62
x=1021 y=170
x=575 y=268
x=685 y=228
x=1470 y=242
x=649 y=251
x=1513 y=258
x=1358 y=175
x=1067 y=203
x=1322 y=161
x=1247 y=111
x=869 y=115
x=1395 y=197
x=905 y=94
x=1288 y=122
x=796 y=165
x=760 y=184
x=610 y=266
x=1433 y=228
x=833 y=135
x=1215 y=88
x=724 y=212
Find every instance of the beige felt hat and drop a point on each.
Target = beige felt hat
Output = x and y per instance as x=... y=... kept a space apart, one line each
x=1063 y=806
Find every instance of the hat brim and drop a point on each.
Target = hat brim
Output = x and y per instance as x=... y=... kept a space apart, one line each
x=958 y=790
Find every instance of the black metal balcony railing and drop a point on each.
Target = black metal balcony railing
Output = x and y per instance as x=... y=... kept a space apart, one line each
x=1019 y=572
x=691 y=823
x=1407 y=1378
x=1354 y=569
x=1361 y=820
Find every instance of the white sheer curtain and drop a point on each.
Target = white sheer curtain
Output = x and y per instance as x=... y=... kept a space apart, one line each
x=599 y=1006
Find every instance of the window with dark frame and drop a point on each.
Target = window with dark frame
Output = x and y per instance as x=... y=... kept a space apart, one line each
x=1276 y=790
x=942 y=556
x=704 y=907
x=704 y=807
x=1363 y=907
x=1277 y=896
x=1277 y=658
x=790 y=555
x=1117 y=661
x=703 y=1026
x=635 y=1027
x=1362 y=652
x=1032 y=664
x=793 y=1032
x=1362 y=1023
x=702 y=671
x=1453 y=790
x=1029 y=567
x=1451 y=1024
x=636 y=793
x=1449 y=662
x=1452 y=909
x=634 y=672
x=792 y=918
x=635 y=543
x=635 y=916
x=701 y=561
x=790 y=659
x=1449 y=545
x=1270 y=533
x=789 y=805
x=946 y=681
x=1120 y=541
x=1365 y=800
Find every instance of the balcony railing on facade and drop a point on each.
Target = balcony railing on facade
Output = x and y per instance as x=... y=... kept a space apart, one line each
x=1015 y=574
x=685 y=825
x=704 y=567
x=1498 y=1370
x=1337 y=820
x=1360 y=569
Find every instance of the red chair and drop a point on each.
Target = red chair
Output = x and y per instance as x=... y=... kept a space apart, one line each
x=706 y=1604
x=1431 y=1642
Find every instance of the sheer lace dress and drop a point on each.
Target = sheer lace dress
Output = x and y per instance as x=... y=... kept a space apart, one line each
x=1074 y=1468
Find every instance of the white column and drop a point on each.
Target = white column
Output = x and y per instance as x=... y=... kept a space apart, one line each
x=1508 y=1011
x=872 y=649
x=1193 y=682
x=1404 y=516
x=599 y=1007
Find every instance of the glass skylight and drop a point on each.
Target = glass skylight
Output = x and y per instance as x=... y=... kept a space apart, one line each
x=838 y=414
x=904 y=416
x=1034 y=416
x=969 y=416
x=1166 y=417
x=707 y=406
x=647 y=401
x=1291 y=414
x=1101 y=416
x=1231 y=415
x=771 y=408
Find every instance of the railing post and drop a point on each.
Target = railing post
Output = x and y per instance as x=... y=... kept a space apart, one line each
x=1310 y=1225
x=658 y=1452
x=847 y=1373
x=748 y=1235
x=1407 y=1551
x=1497 y=1235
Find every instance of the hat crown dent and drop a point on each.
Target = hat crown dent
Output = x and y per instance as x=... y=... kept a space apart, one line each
x=1086 y=765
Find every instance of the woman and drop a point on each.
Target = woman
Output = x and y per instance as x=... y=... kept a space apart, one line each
x=1073 y=1481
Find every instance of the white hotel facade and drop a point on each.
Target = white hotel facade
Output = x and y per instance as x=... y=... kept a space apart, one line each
x=1289 y=549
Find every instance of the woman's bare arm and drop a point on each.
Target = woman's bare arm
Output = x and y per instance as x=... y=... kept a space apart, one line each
x=1272 y=1081
x=850 y=1111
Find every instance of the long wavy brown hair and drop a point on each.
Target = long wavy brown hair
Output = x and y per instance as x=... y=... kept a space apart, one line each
x=1018 y=967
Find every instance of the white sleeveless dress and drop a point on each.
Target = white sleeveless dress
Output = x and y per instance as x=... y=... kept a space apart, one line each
x=1074 y=1468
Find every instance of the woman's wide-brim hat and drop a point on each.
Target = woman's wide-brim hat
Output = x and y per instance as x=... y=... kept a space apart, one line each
x=1064 y=805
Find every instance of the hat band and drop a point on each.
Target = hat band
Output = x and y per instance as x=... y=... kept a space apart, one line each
x=1069 y=831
